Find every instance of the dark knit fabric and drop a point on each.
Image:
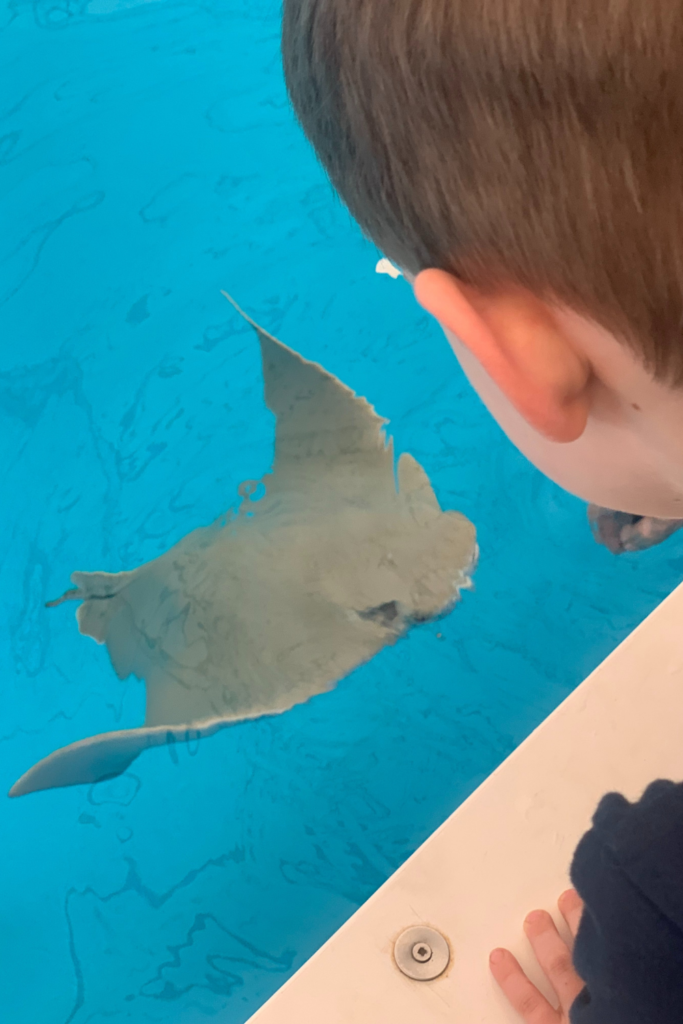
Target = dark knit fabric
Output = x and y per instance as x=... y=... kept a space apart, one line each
x=629 y=949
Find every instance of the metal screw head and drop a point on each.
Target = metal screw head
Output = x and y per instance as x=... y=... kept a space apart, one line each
x=421 y=953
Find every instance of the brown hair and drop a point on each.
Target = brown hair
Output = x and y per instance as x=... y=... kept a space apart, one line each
x=532 y=142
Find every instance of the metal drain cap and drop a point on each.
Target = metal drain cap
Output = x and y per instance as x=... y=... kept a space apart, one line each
x=421 y=953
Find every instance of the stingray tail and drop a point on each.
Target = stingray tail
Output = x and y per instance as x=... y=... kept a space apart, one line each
x=96 y=590
x=75 y=594
x=94 y=586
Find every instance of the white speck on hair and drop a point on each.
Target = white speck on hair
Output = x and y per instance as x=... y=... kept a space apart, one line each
x=385 y=266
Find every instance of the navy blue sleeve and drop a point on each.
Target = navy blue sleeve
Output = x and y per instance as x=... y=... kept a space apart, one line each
x=628 y=869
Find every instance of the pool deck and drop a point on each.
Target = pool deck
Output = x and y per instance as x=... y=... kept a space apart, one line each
x=506 y=850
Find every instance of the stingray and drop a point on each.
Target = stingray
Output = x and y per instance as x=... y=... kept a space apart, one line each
x=332 y=556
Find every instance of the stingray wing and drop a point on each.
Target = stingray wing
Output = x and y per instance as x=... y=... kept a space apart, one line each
x=327 y=438
x=101 y=757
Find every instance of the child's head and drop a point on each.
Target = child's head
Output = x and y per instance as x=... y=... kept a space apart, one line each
x=522 y=161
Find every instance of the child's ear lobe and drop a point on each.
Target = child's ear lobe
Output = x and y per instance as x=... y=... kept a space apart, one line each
x=515 y=339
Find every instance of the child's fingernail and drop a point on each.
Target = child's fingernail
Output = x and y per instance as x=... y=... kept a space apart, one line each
x=533 y=917
x=496 y=956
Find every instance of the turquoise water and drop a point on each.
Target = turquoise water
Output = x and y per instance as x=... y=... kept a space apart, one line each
x=148 y=159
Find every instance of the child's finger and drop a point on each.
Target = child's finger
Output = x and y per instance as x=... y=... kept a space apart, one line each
x=522 y=994
x=554 y=956
x=571 y=908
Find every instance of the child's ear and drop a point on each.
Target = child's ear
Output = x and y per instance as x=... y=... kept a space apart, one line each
x=514 y=337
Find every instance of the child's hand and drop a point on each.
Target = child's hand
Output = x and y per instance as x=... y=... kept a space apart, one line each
x=555 y=958
x=621 y=531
